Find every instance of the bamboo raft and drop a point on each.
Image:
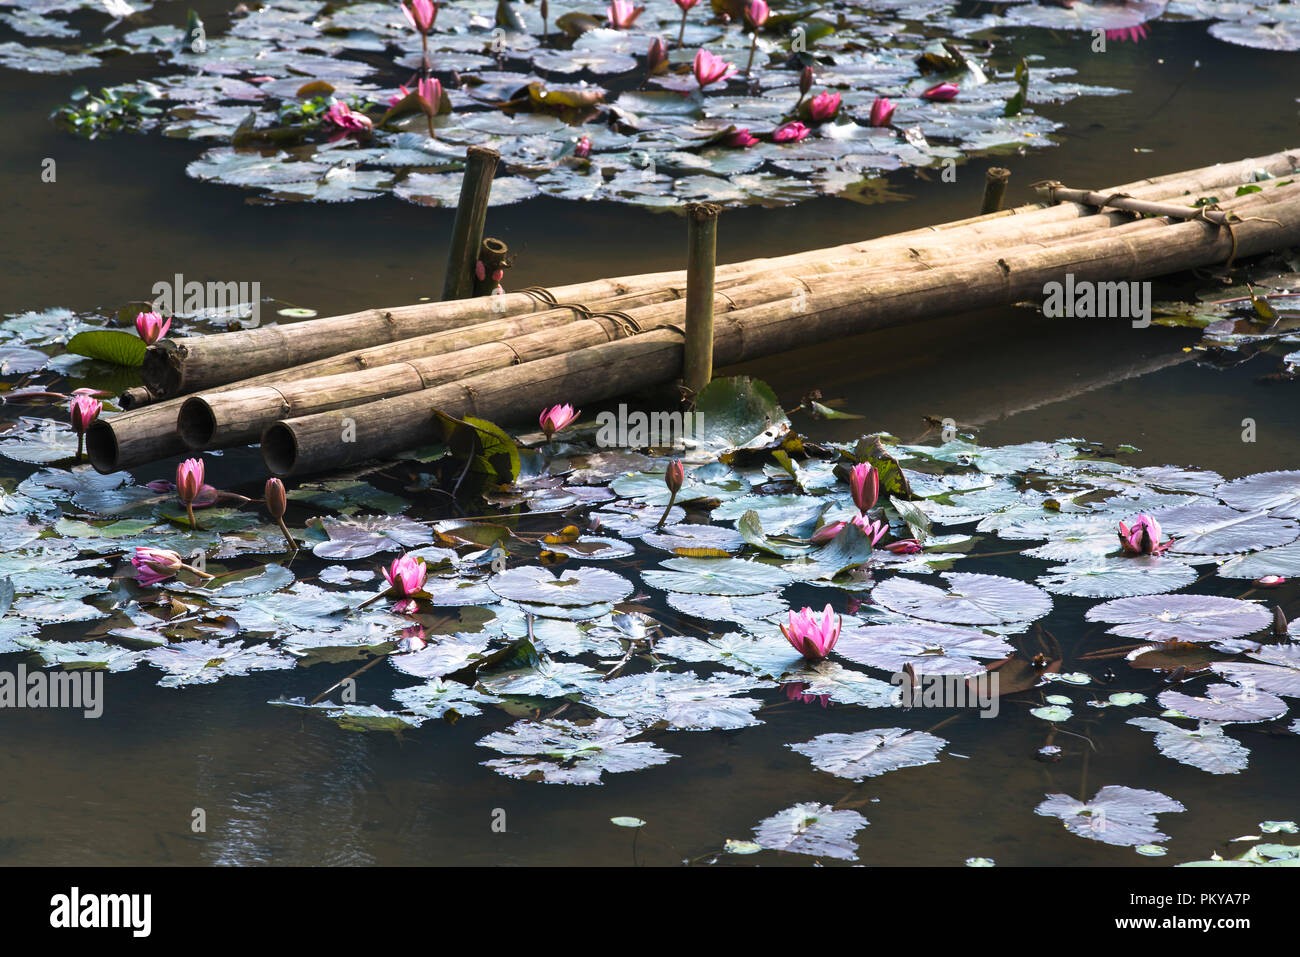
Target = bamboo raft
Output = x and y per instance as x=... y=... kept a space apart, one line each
x=504 y=357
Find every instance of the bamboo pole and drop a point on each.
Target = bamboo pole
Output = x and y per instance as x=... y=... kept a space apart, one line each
x=128 y=439
x=228 y=417
x=471 y=217
x=312 y=443
x=177 y=367
x=995 y=187
x=701 y=261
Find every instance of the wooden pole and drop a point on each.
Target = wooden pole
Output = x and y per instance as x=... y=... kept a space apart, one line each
x=471 y=217
x=701 y=262
x=995 y=187
x=311 y=443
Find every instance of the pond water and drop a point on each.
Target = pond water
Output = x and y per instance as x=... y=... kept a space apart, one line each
x=279 y=785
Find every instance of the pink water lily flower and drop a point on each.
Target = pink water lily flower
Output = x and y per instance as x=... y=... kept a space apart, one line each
x=84 y=410
x=685 y=4
x=582 y=149
x=420 y=14
x=757 y=13
x=1269 y=581
x=153 y=565
x=622 y=14
x=556 y=419
x=874 y=531
x=864 y=485
x=151 y=327
x=941 y=91
x=347 y=119
x=812 y=638
x=741 y=138
x=791 y=132
x=882 y=111
x=406 y=576
x=709 y=69
x=904 y=546
x=1143 y=538
x=189 y=482
x=1123 y=34
x=824 y=106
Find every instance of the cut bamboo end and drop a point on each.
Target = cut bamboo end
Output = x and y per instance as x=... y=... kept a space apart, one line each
x=995 y=188
x=471 y=218
x=101 y=446
x=701 y=266
x=280 y=450
x=163 y=369
x=135 y=398
x=494 y=255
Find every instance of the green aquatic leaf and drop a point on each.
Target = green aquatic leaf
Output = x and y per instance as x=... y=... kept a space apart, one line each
x=109 y=345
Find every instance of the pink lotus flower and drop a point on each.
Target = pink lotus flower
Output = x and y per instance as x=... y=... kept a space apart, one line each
x=622 y=14
x=150 y=327
x=904 y=546
x=812 y=638
x=864 y=485
x=1136 y=34
x=791 y=132
x=430 y=91
x=882 y=111
x=709 y=69
x=740 y=138
x=189 y=482
x=84 y=410
x=406 y=576
x=556 y=418
x=1143 y=538
x=824 y=106
x=189 y=479
x=1269 y=581
x=153 y=565
x=874 y=531
x=686 y=4
x=348 y=120
x=420 y=14
x=941 y=91
x=583 y=148
x=757 y=13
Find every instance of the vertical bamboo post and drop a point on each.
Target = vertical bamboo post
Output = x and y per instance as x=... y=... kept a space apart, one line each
x=701 y=259
x=995 y=187
x=471 y=216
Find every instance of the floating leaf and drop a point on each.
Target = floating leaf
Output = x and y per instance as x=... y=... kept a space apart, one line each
x=969 y=599
x=1205 y=747
x=110 y=345
x=930 y=649
x=1184 y=617
x=1116 y=815
x=815 y=829
x=568 y=752
x=868 y=754
x=572 y=587
x=1226 y=704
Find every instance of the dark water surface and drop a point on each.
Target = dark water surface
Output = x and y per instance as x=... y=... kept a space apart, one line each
x=278 y=787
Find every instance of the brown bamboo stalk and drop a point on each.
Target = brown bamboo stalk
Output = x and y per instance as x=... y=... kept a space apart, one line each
x=471 y=215
x=995 y=187
x=229 y=417
x=177 y=367
x=701 y=265
x=129 y=439
x=315 y=442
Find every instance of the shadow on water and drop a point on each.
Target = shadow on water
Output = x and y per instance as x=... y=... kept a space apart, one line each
x=278 y=787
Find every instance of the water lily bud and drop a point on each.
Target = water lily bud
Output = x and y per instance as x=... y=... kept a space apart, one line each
x=657 y=55
x=276 y=499
x=189 y=479
x=674 y=476
x=1279 y=622
x=805 y=80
